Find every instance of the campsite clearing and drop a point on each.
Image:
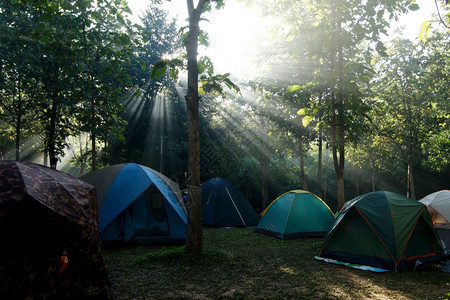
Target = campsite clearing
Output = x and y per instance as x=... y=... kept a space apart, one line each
x=241 y=264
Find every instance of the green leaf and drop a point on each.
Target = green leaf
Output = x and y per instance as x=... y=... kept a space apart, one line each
x=301 y=112
x=203 y=38
x=143 y=66
x=306 y=120
x=381 y=49
x=159 y=69
x=414 y=7
x=293 y=88
x=424 y=30
x=205 y=65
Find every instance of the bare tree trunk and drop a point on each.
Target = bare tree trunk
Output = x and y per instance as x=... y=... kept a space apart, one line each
x=337 y=126
x=94 y=124
x=302 y=155
x=325 y=177
x=264 y=162
x=18 y=125
x=2 y=153
x=82 y=161
x=411 y=192
x=319 y=166
x=45 y=156
x=357 y=183
x=320 y=154
x=194 y=238
x=52 y=133
x=373 y=180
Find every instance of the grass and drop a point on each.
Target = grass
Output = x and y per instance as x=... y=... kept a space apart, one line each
x=241 y=264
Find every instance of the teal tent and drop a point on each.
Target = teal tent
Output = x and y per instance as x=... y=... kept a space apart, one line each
x=138 y=205
x=294 y=214
x=383 y=230
x=224 y=206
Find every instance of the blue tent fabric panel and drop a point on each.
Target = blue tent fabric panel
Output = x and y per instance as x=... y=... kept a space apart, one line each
x=129 y=183
x=128 y=228
x=177 y=225
x=140 y=214
x=168 y=194
x=139 y=205
x=224 y=206
x=143 y=218
x=208 y=210
x=119 y=229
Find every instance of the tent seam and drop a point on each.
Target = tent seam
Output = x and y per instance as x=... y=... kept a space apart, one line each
x=379 y=238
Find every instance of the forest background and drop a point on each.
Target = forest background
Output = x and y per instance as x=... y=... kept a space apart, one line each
x=77 y=94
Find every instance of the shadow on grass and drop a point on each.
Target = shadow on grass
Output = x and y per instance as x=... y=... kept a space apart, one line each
x=241 y=264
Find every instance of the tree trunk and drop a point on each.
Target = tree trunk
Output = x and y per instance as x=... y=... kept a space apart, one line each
x=325 y=183
x=302 y=155
x=94 y=124
x=411 y=192
x=413 y=189
x=320 y=154
x=264 y=165
x=194 y=237
x=337 y=126
x=319 y=166
x=52 y=133
x=45 y=156
x=357 y=183
x=373 y=180
x=18 y=125
x=338 y=161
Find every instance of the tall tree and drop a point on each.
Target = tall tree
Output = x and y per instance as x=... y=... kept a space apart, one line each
x=106 y=44
x=209 y=83
x=19 y=87
x=194 y=240
x=325 y=40
x=155 y=113
x=408 y=97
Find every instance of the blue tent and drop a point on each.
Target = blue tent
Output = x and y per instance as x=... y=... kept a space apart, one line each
x=224 y=206
x=137 y=204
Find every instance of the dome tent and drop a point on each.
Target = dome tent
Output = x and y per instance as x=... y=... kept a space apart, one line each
x=138 y=205
x=50 y=240
x=224 y=206
x=383 y=230
x=438 y=205
x=294 y=214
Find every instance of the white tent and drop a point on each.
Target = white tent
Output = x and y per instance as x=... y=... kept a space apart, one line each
x=438 y=205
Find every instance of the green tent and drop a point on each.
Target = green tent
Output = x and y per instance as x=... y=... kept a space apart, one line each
x=294 y=214
x=384 y=230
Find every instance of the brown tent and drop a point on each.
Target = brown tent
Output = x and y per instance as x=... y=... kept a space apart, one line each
x=50 y=240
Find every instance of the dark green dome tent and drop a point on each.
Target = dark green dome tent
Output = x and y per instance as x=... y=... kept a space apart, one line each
x=224 y=206
x=294 y=214
x=383 y=230
x=138 y=205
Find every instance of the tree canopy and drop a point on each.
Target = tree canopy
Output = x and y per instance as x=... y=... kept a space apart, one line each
x=338 y=108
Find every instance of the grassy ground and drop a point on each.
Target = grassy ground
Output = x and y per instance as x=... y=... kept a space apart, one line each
x=241 y=264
